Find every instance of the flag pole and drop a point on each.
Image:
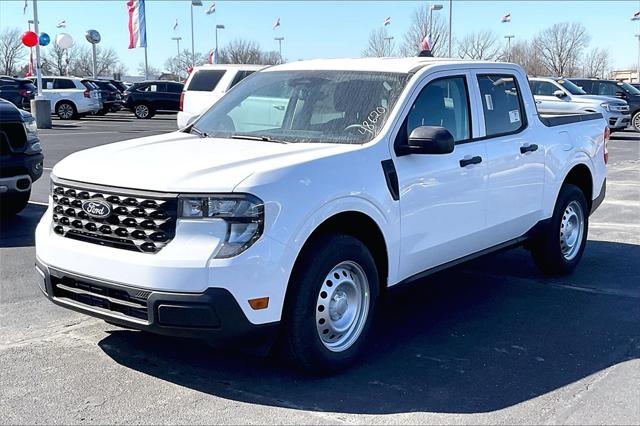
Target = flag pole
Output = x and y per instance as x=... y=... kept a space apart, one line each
x=40 y=106
x=146 y=64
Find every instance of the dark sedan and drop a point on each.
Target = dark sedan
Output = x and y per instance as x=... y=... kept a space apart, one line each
x=150 y=97
x=18 y=91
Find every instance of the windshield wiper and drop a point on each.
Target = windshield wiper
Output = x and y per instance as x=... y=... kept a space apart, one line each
x=197 y=132
x=256 y=138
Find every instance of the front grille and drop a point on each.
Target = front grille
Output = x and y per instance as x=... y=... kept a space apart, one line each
x=12 y=138
x=143 y=224
x=128 y=302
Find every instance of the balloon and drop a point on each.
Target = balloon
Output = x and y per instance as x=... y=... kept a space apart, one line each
x=64 y=41
x=29 y=38
x=44 y=39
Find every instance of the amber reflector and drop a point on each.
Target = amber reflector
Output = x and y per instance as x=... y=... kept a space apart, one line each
x=260 y=303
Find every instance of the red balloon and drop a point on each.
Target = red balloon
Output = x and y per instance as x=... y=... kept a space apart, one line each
x=29 y=38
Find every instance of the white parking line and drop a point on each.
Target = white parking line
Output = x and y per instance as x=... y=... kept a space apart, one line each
x=612 y=225
x=39 y=203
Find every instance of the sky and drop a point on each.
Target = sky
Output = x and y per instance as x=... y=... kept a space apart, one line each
x=319 y=29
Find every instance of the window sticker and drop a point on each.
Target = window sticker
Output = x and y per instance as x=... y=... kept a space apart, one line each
x=489 y=101
x=514 y=116
x=448 y=103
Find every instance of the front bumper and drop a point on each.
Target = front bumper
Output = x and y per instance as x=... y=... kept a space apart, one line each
x=213 y=315
x=16 y=169
x=619 y=122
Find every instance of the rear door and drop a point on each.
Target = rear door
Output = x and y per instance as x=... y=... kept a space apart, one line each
x=442 y=197
x=515 y=158
x=203 y=89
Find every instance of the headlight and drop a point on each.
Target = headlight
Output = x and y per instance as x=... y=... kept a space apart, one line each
x=605 y=106
x=243 y=213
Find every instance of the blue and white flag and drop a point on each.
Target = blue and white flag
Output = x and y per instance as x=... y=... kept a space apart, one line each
x=137 y=24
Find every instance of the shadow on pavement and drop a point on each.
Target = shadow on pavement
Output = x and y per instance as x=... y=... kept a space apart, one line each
x=19 y=231
x=478 y=338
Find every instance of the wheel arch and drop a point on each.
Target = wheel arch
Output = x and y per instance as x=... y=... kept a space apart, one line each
x=580 y=175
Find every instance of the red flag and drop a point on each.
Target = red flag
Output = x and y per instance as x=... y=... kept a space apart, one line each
x=30 y=70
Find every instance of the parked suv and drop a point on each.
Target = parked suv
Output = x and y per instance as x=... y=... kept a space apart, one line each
x=207 y=84
x=558 y=95
x=20 y=157
x=150 y=97
x=18 y=91
x=69 y=96
x=117 y=84
x=618 y=89
x=110 y=96
x=258 y=223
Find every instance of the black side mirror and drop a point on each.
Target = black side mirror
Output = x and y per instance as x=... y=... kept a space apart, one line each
x=429 y=140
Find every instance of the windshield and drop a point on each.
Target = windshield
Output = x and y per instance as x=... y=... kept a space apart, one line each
x=571 y=88
x=305 y=106
x=629 y=88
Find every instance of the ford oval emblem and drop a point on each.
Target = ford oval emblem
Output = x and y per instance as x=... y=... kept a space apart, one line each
x=97 y=208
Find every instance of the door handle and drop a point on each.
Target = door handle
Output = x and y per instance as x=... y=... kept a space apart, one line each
x=279 y=107
x=469 y=161
x=528 y=148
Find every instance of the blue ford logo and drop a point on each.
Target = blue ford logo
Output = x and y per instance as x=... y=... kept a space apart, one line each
x=97 y=208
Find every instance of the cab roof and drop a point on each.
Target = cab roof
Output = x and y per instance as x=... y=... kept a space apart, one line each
x=398 y=65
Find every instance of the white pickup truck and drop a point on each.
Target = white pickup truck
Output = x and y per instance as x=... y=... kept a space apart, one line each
x=248 y=225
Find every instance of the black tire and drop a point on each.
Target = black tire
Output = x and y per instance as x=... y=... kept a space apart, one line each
x=635 y=121
x=550 y=253
x=302 y=343
x=66 y=110
x=102 y=111
x=14 y=203
x=142 y=111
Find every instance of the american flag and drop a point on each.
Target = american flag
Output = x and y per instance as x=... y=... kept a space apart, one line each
x=175 y=25
x=61 y=24
x=277 y=23
x=506 y=18
x=387 y=21
x=425 y=43
x=636 y=16
x=211 y=9
x=137 y=24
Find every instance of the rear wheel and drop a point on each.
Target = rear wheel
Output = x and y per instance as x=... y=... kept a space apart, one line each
x=142 y=111
x=332 y=303
x=559 y=249
x=66 y=110
x=14 y=203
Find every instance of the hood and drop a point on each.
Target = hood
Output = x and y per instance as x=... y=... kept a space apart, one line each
x=181 y=162
x=592 y=99
x=9 y=112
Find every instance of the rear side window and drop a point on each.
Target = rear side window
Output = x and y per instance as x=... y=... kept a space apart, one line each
x=205 y=80
x=240 y=75
x=543 y=88
x=63 y=83
x=586 y=85
x=501 y=103
x=174 y=88
x=607 y=88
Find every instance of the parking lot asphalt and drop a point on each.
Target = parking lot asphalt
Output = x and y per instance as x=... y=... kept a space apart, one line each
x=491 y=341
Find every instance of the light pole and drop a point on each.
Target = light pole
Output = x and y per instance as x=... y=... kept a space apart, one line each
x=177 y=39
x=193 y=51
x=431 y=9
x=279 y=40
x=217 y=54
x=450 y=19
x=638 y=80
x=509 y=37
x=388 y=39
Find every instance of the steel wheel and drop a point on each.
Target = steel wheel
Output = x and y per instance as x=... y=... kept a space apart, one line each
x=65 y=111
x=142 y=111
x=571 y=230
x=342 y=306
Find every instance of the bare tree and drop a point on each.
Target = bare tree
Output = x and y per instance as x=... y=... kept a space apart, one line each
x=482 y=45
x=596 y=63
x=106 y=61
x=271 y=58
x=524 y=54
x=241 y=51
x=419 y=28
x=179 y=64
x=560 y=47
x=379 y=44
x=56 y=61
x=11 y=50
x=153 y=71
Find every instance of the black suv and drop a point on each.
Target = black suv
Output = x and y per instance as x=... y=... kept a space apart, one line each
x=616 y=89
x=117 y=83
x=18 y=91
x=150 y=97
x=111 y=97
x=20 y=158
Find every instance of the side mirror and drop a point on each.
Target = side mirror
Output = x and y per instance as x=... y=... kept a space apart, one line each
x=429 y=140
x=559 y=94
x=620 y=94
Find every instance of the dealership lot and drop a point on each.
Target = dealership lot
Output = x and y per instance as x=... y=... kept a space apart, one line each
x=492 y=341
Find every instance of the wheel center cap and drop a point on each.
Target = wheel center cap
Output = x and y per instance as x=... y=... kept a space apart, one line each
x=338 y=305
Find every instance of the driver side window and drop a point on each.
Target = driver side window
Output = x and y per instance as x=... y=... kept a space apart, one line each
x=444 y=103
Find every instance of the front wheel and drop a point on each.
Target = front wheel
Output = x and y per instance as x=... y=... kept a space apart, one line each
x=635 y=121
x=14 y=203
x=559 y=248
x=66 y=111
x=331 y=305
x=142 y=111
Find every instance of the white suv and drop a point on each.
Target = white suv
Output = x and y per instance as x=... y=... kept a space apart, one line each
x=70 y=96
x=207 y=84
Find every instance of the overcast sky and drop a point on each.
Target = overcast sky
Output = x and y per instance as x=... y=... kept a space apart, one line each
x=320 y=29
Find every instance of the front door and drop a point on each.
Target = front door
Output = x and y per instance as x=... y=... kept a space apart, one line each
x=442 y=197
